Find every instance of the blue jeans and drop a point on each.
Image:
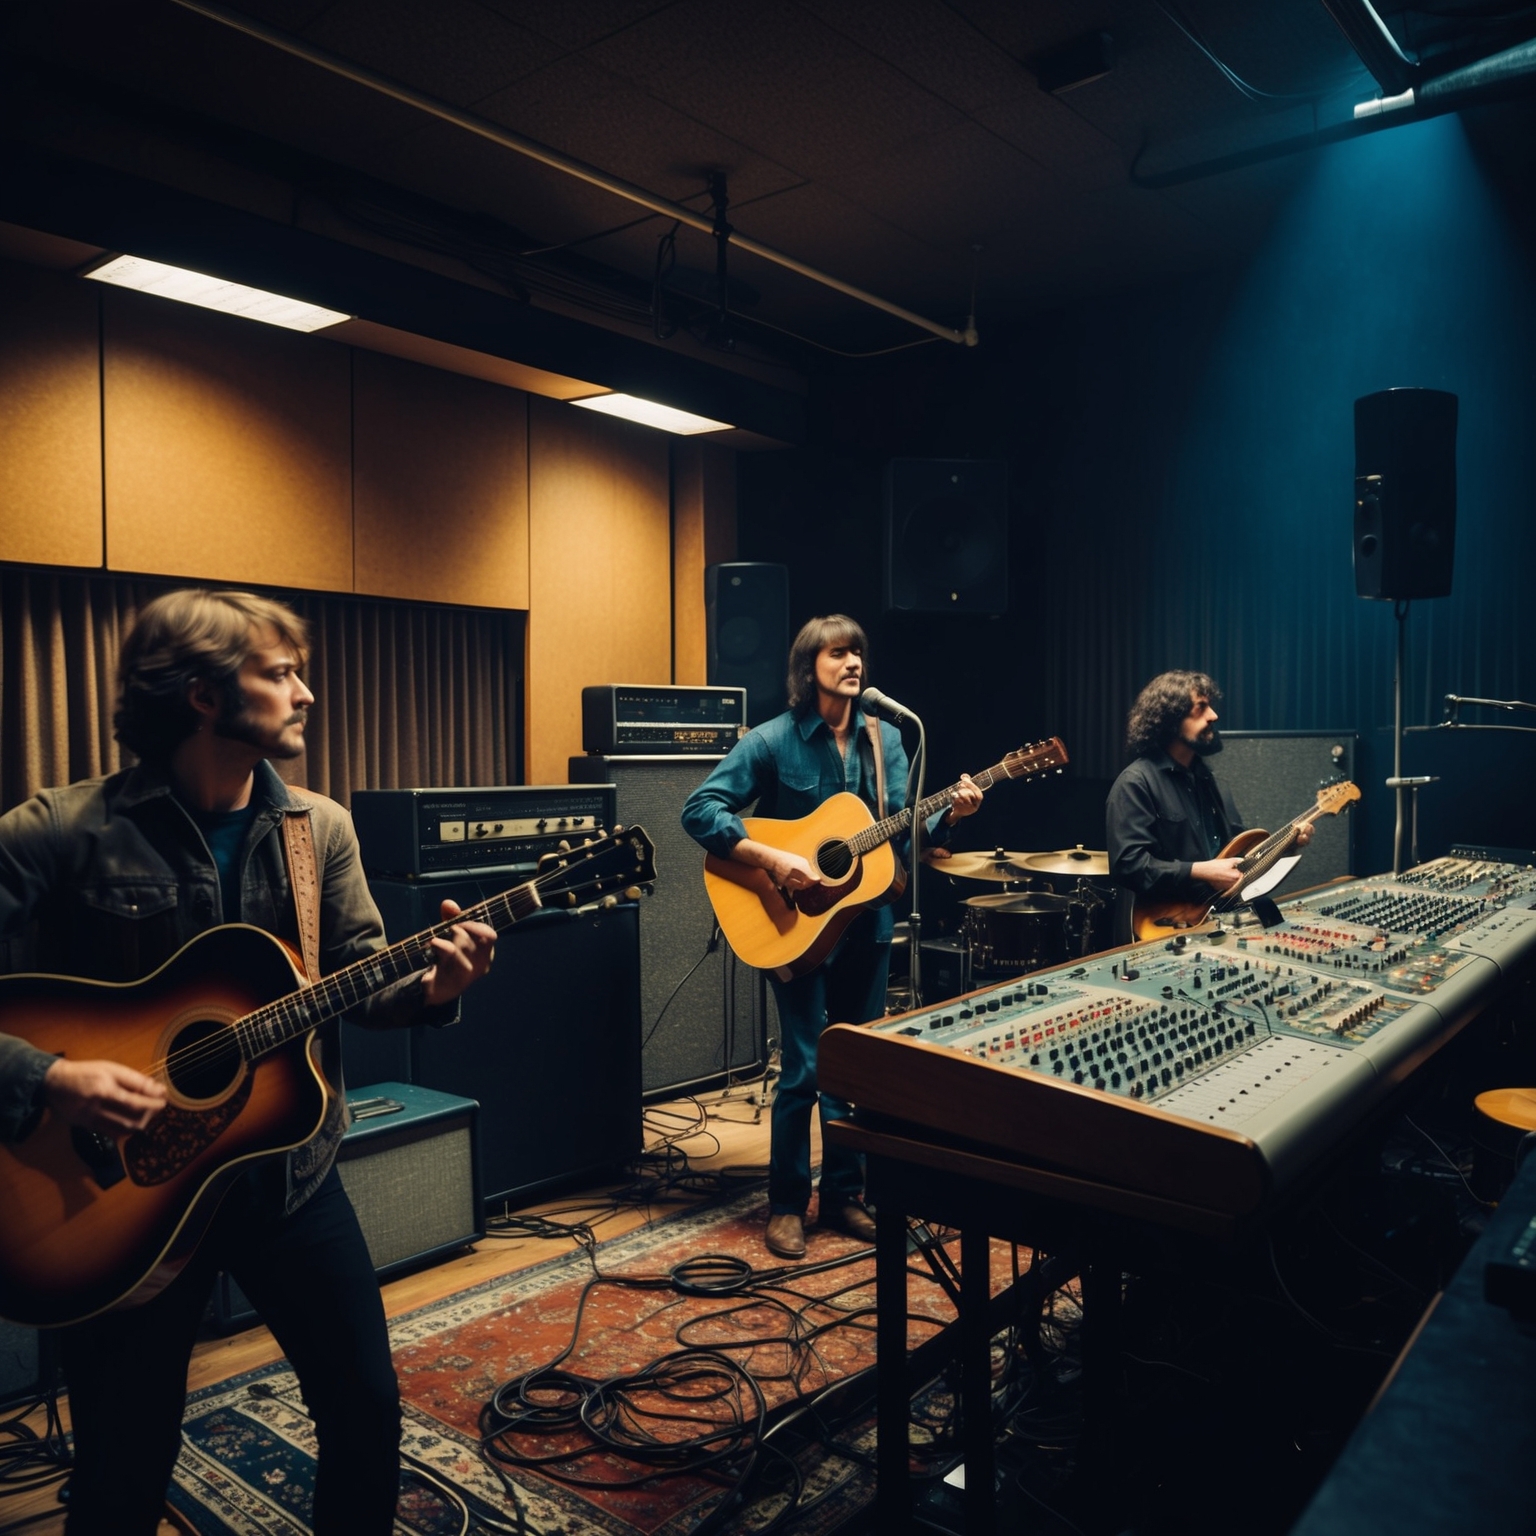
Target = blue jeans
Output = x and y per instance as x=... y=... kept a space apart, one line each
x=310 y=1278
x=848 y=987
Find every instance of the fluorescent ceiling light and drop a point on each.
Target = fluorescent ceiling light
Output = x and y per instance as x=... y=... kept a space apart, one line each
x=213 y=293
x=649 y=414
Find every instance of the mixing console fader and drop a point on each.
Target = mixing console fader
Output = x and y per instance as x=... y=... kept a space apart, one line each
x=1210 y=1068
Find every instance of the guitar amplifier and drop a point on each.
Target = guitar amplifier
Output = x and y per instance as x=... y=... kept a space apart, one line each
x=662 y=719
x=410 y=1164
x=404 y=833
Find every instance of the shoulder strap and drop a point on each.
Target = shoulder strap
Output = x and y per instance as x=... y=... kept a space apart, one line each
x=873 y=727
x=304 y=877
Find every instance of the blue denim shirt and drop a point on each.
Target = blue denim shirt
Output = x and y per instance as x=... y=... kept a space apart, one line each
x=789 y=765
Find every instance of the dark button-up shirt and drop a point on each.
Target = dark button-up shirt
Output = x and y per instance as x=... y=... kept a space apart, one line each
x=1160 y=820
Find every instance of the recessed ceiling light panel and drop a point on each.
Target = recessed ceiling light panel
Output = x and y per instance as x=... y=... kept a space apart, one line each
x=649 y=414
x=212 y=293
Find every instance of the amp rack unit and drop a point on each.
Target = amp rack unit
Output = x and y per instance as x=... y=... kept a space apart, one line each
x=409 y=833
x=663 y=719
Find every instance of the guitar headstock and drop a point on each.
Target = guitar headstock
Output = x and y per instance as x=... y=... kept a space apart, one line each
x=1039 y=758
x=573 y=876
x=1332 y=798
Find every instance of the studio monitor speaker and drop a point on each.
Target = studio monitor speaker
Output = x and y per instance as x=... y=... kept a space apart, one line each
x=746 y=607
x=703 y=1013
x=1405 y=493
x=946 y=535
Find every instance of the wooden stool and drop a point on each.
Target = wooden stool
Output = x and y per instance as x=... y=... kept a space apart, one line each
x=1505 y=1117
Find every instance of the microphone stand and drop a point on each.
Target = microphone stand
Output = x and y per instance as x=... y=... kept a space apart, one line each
x=915 y=919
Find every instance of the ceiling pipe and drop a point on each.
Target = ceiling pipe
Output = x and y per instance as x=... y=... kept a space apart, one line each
x=1367 y=33
x=1506 y=73
x=567 y=164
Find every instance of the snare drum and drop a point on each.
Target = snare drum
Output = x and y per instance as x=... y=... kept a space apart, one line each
x=1010 y=934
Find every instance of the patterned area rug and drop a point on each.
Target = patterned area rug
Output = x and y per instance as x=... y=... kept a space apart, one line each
x=247 y=1462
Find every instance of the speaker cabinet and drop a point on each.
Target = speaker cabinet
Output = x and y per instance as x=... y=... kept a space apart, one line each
x=411 y=1173
x=703 y=1013
x=24 y=1371
x=946 y=535
x=1405 y=493
x=548 y=1040
x=1275 y=775
x=746 y=609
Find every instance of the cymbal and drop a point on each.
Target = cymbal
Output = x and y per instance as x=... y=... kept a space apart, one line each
x=997 y=865
x=1068 y=861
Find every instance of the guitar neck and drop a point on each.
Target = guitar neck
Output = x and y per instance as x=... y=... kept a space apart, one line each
x=893 y=826
x=267 y=1028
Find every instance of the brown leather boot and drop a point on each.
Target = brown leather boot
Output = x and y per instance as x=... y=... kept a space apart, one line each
x=786 y=1235
x=850 y=1216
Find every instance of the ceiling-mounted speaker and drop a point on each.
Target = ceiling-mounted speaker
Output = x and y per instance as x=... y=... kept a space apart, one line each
x=946 y=535
x=1405 y=493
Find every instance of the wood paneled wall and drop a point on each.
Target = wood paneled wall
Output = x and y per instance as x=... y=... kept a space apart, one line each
x=151 y=438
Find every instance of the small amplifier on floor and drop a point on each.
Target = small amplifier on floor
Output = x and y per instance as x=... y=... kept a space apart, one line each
x=946 y=969
x=661 y=719
x=409 y=1163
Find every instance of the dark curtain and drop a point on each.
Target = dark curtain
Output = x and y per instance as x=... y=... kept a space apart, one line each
x=405 y=694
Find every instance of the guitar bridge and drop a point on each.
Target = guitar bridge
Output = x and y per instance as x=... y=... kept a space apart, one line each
x=99 y=1153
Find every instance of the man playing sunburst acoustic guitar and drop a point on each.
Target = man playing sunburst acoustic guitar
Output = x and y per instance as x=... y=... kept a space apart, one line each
x=1168 y=817
x=821 y=746
x=113 y=877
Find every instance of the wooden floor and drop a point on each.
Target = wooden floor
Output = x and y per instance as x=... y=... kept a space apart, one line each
x=718 y=1132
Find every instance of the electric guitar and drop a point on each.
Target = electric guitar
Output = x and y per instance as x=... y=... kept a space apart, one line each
x=1259 y=851
x=228 y=1024
x=791 y=934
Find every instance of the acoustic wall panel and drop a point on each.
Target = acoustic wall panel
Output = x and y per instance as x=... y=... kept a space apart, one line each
x=600 y=570
x=440 y=482
x=227 y=448
x=50 y=418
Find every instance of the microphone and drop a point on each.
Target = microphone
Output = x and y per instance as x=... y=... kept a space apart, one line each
x=873 y=702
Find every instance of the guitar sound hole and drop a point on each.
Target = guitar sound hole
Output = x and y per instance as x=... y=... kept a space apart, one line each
x=204 y=1061
x=834 y=860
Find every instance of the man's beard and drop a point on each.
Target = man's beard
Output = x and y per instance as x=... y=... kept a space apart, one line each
x=234 y=724
x=1208 y=743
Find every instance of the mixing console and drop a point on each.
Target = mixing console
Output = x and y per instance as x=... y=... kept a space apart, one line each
x=1276 y=1040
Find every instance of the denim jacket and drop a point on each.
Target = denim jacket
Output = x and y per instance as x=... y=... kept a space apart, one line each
x=789 y=765
x=108 y=878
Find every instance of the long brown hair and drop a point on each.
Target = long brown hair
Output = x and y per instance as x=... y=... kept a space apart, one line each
x=814 y=637
x=182 y=637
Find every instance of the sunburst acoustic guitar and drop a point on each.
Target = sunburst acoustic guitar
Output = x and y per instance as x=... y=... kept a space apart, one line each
x=791 y=934
x=1259 y=851
x=92 y=1222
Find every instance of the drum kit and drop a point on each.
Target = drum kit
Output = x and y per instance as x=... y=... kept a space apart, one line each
x=1052 y=907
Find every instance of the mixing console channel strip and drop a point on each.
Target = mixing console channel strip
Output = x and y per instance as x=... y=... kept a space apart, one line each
x=1212 y=1068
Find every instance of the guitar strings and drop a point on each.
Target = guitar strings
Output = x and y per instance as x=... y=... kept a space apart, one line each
x=330 y=993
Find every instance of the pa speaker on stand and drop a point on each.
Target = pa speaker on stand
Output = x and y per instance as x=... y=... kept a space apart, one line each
x=1405 y=493
x=946 y=535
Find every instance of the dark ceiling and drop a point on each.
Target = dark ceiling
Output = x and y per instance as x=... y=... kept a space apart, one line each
x=896 y=144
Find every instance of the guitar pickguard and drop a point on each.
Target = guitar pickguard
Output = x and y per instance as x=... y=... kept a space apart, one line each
x=175 y=1137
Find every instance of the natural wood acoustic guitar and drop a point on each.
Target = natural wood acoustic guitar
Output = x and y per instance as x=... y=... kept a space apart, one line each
x=791 y=934
x=1259 y=851
x=89 y=1222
